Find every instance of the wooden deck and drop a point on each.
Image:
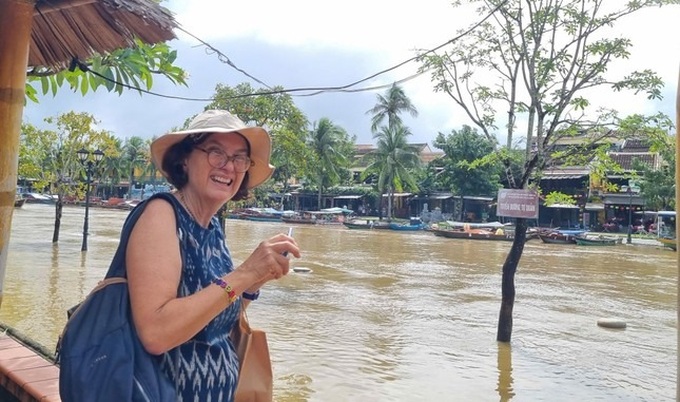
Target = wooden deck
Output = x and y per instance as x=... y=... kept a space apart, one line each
x=25 y=375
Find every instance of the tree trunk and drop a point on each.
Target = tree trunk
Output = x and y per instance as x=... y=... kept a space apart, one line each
x=131 y=182
x=508 y=282
x=318 y=199
x=16 y=21
x=58 y=207
x=221 y=214
x=390 y=195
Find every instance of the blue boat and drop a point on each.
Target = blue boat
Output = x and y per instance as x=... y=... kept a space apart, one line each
x=413 y=225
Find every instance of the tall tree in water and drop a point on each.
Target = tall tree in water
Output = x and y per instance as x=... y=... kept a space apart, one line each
x=540 y=59
x=389 y=106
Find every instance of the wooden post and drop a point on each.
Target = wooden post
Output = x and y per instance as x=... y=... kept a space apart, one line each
x=16 y=21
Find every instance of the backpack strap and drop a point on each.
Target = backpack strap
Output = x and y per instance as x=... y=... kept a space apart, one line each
x=118 y=267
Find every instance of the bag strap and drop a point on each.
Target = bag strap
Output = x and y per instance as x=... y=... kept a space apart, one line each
x=118 y=267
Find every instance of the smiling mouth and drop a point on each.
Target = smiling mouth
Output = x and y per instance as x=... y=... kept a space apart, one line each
x=222 y=180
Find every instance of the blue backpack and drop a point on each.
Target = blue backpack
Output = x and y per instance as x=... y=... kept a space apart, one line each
x=99 y=353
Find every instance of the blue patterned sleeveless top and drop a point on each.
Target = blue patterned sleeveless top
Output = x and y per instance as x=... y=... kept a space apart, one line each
x=205 y=368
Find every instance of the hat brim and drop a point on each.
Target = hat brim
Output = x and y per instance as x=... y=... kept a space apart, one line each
x=257 y=137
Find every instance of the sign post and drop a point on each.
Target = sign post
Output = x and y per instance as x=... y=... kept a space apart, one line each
x=517 y=203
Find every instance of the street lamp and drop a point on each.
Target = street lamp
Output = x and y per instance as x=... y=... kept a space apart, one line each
x=84 y=157
x=630 y=214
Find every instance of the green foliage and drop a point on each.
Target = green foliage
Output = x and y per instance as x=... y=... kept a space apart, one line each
x=389 y=106
x=134 y=67
x=277 y=112
x=330 y=147
x=471 y=167
x=393 y=162
x=657 y=186
x=558 y=198
x=538 y=58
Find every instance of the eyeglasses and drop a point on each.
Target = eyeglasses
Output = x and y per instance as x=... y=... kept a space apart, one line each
x=218 y=160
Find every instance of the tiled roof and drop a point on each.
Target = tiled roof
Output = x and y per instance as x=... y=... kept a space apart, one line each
x=635 y=145
x=625 y=159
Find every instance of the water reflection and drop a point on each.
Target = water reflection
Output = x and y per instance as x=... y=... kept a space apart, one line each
x=394 y=316
x=504 y=389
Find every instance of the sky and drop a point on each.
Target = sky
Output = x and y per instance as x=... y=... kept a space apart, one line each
x=311 y=43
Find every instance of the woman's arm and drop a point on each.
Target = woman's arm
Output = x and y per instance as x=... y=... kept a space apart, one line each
x=164 y=321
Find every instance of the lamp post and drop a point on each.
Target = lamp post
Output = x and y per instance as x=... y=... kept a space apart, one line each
x=84 y=157
x=630 y=214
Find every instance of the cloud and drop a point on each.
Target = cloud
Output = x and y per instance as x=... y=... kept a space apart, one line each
x=302 y=43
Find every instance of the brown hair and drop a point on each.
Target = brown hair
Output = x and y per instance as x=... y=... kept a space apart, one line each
x=173 y=163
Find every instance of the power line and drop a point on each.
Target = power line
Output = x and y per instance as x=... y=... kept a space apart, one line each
x=315 y=90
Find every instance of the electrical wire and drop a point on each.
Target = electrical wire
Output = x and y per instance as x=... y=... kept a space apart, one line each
x=314 y=90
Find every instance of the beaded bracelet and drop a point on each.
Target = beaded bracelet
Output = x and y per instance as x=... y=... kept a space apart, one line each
x=231 y=295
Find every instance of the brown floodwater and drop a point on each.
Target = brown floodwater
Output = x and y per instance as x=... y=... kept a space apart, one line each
x=401 y=316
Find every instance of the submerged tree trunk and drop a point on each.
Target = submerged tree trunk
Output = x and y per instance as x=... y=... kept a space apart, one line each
x=508 y=282
x=58 y=207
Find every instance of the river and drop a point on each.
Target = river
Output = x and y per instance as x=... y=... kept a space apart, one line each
x=401 y=316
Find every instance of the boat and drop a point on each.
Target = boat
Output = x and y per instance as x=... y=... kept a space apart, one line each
x=366 y=224
x=331 y=216
x=669 y=242
x=413 y=225
x=261 y=214
x=37 y=198
x=474 y=234
x=19 y=201
x=557 y=236
x=597 y=240
x=304 y=217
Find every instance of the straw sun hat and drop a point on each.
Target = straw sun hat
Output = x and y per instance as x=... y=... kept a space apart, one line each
x=221 y=121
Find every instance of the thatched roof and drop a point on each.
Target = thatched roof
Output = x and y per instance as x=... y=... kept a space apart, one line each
x=63 y=29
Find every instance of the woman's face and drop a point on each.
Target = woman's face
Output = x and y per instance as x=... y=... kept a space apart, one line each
x=214 y=182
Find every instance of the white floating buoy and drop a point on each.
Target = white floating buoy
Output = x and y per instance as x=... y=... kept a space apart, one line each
x=611 y=323
x=301 y=269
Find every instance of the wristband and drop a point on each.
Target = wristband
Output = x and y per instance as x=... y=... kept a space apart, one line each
x=231 y=295
x=251 y=296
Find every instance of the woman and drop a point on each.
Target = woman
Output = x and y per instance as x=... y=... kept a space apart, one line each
x=186 y=294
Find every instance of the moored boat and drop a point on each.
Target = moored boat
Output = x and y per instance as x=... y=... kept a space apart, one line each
x=19 y=201
x=597 y=240
x=304 y=217
x=413 y=225
x=366 y=224
x=669 y=243
x=559 y=236
x=473 y=234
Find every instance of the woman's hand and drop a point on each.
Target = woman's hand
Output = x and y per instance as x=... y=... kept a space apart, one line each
x=268 y=261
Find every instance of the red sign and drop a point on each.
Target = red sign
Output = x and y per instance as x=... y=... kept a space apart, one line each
x=517 y=203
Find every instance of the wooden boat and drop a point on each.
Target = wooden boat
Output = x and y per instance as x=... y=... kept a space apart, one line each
x=557 y=238
x=473 y=234
x=304 y=218
x=261 y=214
x=366 y=224
x=19 y=201
x=669 y=243
x=413 y=225
x=597 y=240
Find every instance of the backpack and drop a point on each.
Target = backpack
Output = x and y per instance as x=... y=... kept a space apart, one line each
x=99 y=353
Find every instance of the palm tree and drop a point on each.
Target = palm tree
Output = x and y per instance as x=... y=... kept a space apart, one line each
x=389 y=106
x=327 y=141
x=113 y=165
x=135 y=157
x=393 y=162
